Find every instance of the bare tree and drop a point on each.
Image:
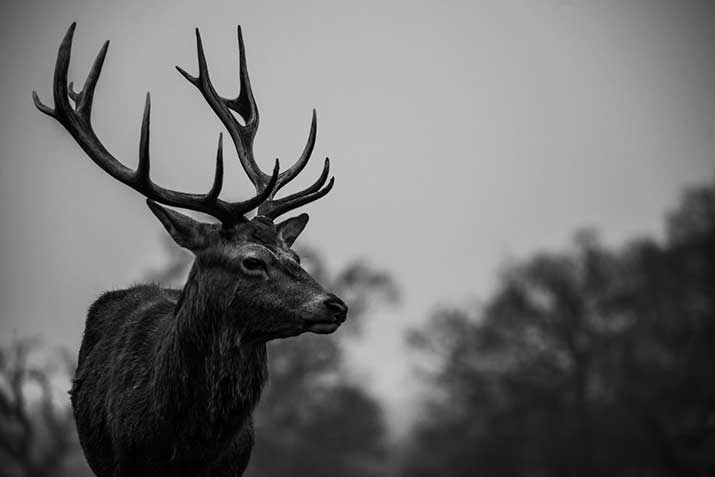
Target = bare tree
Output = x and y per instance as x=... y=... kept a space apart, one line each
x=37 y=432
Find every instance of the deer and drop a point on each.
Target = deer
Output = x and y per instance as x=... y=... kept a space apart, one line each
x=167 y=379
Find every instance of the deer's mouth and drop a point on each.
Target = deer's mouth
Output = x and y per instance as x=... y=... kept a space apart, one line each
x=322 y=327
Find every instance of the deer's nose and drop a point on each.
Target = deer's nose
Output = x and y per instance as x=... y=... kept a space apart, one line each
x=336 y=305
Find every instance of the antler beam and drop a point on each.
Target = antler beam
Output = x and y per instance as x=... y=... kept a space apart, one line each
x=77 y=121
x=243 y=135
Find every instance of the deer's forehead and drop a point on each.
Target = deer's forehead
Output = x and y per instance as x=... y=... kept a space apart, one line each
x=239 y=249
x=258 y=236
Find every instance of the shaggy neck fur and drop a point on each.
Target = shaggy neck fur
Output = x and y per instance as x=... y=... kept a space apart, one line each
x=220 y=373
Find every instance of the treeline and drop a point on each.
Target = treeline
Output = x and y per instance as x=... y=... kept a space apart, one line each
x=590 y=361
x=586 y=362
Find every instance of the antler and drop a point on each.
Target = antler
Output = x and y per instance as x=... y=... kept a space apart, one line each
x=77 y=122
x=243 y=135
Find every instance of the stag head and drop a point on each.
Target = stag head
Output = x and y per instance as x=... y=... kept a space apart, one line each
x=249 y=263
x=255 y=275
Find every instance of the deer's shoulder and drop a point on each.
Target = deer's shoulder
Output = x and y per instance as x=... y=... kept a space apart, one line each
x=129 y=299
x=116 y=309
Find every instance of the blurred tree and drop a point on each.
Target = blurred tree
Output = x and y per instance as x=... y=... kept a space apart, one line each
x=591 y=362
x=37 y=432
x=312 y=419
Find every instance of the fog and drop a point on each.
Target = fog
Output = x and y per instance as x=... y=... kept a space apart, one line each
x=462 y=135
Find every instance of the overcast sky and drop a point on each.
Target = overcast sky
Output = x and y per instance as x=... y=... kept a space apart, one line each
x=461 y=134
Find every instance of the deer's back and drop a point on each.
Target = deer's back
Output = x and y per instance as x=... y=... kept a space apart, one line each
x=115 y=366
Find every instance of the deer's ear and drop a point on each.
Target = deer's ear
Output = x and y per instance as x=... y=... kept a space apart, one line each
x=289 y=229
x=185 y=231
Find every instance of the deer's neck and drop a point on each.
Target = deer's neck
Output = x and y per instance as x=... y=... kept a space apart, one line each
x=222 y=373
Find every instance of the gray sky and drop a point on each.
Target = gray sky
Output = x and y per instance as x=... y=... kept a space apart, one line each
x=461 y=134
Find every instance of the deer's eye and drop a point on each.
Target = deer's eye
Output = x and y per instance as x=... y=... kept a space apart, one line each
x=253 y=264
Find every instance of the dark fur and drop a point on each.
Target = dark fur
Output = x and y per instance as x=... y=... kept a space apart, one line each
x=167 y=379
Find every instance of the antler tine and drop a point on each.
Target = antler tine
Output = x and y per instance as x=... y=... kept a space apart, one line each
x=289 y=174
x=274 y=208
x=76 y=120
x=142 y=172
x=218 y=176
x=85 y=98
x=59 y=89
x=244 y=105
x=283 y=207
x=243 y=134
